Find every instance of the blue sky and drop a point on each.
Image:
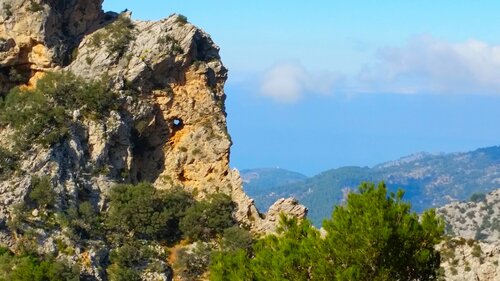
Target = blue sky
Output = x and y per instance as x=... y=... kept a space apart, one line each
x=321 y=84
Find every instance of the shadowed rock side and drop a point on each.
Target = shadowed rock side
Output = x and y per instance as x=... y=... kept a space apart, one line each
x=37 y=36
x=169 y=130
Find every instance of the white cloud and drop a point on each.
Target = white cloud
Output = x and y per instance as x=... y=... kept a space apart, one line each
x=288 y=82
x=429 y=65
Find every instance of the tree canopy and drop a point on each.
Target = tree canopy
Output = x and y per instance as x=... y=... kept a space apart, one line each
x=374 y=236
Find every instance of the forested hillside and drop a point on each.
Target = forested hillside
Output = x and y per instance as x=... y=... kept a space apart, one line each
x=429 y=180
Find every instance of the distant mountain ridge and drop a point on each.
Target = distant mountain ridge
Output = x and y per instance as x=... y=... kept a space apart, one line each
x=260 y=180
x=429 y=180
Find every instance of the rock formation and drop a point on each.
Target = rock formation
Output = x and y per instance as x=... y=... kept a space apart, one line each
x=465 y=260
x=474 y=252
x=478 y=219
x=37 y=36
x=171 y=131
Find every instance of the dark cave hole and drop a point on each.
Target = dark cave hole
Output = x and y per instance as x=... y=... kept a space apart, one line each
x=140 y=143
x=177 y=123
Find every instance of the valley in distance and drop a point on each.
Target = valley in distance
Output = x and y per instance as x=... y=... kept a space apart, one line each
x=429 y=181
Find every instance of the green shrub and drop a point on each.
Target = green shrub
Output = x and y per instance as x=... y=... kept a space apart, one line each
x=477 y=197
x=476 y=251
x=123 y=260
x=236 y=238
x=181 y=19
x=172 y=43
x=233 y=266
x=7 y=9
x=33 y=117
x=32 y=268
x=34 y=7
x=18 y=216
x=8 y=163
x=72 y=92
x=84 y=221
x=42 y=192
x=208 y=218
x=374 y=236
x=193 y=263
x=42 y=115
x=120 y=273
x=471 y=214
x=143 y=211
x=167 y=39
x=115 y=36
x=16 y=77
x=177 y=49
x=128 y=260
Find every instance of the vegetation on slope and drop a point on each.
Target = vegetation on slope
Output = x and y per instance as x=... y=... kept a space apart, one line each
x=374 y=236
x=26 y=267
x=138 y=223
x=43 y=115
x=429 y=180
x=139 y=218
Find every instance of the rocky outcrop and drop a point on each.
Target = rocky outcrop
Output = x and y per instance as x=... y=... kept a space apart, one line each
x=264 y=223
x=40 y=35
x=289 y=206
x=478 y=219
x=465 y=260
x=171 y=128
x=474 y=252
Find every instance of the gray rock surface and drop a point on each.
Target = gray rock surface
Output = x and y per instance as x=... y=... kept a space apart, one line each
x=474 y=252
x=465 y=260
x=170 y=131
x=478 y=220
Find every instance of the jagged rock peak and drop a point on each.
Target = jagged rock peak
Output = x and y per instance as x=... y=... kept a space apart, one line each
x=172 y=132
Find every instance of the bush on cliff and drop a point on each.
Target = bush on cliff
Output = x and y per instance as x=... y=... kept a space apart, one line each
x=42 y=193
x=115 y=36
x=8 y=163
x=31 y=268
x=208 y=218
x=142 y=211
x=33 y=117
x=43 y=115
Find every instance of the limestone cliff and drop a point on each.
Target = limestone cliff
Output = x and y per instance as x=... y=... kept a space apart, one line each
x=40 y=35
x=170 y=131
x=474 y=252
x=478 y=219
x=464 y=260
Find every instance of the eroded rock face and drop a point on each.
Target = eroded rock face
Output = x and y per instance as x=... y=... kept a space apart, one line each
x=464 y=260
x=171 y=131
x=474 y=252
x=39 y=35
x=289 y=206
x=170 y=128
x=478 y=220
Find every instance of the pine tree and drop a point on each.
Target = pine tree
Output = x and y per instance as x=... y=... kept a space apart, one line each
x=374 y=236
